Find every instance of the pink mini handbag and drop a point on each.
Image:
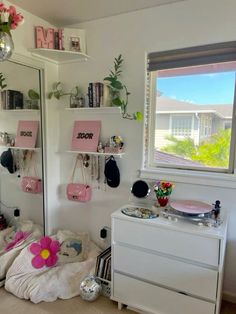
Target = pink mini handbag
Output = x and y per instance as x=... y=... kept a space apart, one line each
x=31 y=184
x=79 y=192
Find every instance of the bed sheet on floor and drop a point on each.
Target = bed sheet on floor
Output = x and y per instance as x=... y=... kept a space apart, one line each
x=6 y=236
x=48 y=284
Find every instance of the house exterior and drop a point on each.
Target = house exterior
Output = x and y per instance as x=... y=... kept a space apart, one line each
x=184 y=119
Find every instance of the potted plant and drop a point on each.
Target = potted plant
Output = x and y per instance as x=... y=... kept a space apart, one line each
x=34 y=97
x=119 y=92
x=76 y=100
x=163 y=190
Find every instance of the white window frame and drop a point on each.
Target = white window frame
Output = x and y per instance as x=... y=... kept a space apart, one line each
x=188 y=175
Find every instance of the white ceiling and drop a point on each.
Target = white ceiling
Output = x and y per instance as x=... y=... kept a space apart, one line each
x=62 y=13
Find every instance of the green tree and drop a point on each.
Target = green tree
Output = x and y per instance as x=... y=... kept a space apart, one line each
x=213 y=152
x=184 y=148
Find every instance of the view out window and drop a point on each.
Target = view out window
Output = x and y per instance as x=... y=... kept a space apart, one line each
x=190 y=102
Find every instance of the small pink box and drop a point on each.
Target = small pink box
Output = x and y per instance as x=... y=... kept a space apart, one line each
x=86 y=135
x=27 y=134
x=113 y=150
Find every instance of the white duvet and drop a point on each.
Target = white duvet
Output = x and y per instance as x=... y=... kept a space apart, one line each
x=7 y=258
x=48 y=284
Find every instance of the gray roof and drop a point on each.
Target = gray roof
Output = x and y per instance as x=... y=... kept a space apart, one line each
x=172 y=159
x=165 y=104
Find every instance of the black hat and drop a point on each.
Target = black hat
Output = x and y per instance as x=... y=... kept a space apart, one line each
x=112 y=173
x=7 y=161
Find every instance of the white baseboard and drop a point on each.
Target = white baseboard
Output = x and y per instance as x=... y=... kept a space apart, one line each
x=230 y=297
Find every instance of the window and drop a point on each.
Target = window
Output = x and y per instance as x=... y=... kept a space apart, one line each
x=205 y=126
x=181 y=126
x=189 y=109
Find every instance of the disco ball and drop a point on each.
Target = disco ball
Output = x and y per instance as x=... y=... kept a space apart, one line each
x=6 y=46
x=90 y=288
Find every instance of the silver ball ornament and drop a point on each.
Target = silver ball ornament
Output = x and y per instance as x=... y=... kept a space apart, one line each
x=90 y=288
x=6 y=46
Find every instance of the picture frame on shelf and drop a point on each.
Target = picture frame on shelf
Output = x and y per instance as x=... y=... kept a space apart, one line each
x=75 y=44
x=27 y=133
x=77 y=36
x=85 y=136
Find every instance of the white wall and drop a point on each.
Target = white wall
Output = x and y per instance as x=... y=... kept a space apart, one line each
x=184 y=24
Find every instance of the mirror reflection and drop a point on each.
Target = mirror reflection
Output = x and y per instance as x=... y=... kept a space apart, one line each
x=21 y=181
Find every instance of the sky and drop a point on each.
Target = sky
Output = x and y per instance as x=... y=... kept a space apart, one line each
x=216 y=88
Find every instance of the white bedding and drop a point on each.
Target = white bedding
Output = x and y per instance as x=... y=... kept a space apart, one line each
x=7 y=258
x=48 y=284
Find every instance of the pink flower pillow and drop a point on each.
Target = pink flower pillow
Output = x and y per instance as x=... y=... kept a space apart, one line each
x=45 y=252
x=19 y=237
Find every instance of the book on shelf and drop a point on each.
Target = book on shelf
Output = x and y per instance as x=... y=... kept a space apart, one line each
x=61 y=39
x=98 y=95
x=11 y=99
x=103 y=264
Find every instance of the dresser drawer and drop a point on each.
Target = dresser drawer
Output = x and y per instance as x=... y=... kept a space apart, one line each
x=180 y=244
x=175 y=274
x=153 y=299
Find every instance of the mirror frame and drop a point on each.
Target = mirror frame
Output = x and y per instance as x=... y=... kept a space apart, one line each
x=39 y=66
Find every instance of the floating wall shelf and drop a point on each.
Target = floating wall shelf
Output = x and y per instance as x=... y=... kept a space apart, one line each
x=96 y=109
x=22 y=148
x=59 y=56
x=95 y=153
x=20 y=110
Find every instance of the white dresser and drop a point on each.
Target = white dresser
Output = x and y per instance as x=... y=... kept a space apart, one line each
x=166 y=267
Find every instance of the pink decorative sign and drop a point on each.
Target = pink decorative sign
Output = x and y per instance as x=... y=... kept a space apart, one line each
x=44 y=38
x=86 y=135
x=27 y=134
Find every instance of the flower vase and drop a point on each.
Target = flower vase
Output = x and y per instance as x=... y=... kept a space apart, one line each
x=162 y=200
x=6 y=45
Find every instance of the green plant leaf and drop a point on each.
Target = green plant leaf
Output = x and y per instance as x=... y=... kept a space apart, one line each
x=57 y=94
x=33 y=94
x=139 y=116
x=117 y=102
x=117 y=85
x=108 y=78
x=50 y=95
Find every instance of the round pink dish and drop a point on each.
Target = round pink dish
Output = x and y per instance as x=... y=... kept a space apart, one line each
x=191 y=207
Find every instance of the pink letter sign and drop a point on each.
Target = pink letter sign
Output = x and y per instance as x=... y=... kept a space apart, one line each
x=86 y=135
x=44 y=38
x=26 y=134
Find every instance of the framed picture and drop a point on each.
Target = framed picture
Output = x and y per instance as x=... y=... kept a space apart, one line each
x=27 y=132
x=75 y=44
x=85 y=136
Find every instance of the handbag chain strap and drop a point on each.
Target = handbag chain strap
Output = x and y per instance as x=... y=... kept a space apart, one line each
x=79 y=157
x=29 y=159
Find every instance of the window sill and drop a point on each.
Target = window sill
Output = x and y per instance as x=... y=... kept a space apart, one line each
x=190 y=177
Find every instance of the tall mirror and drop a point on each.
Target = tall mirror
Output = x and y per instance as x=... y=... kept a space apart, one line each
x=21 y=151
